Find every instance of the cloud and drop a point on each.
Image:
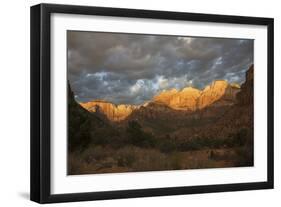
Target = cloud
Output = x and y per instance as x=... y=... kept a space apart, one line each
x=131 y=68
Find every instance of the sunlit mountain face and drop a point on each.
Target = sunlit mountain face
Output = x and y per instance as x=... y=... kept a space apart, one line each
x=187 y=99
x=134 y=68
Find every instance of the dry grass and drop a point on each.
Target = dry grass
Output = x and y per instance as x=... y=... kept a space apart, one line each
x=134 y=159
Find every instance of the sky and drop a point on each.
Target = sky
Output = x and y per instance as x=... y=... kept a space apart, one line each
x=132 y=68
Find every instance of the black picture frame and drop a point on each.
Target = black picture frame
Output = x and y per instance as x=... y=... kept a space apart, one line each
x=41 y=96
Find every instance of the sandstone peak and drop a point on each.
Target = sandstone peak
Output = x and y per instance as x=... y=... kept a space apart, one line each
x=169 y=91
x=207 y=88
x=219 y=89
x=113 y=112
x=188 y=99
x=219 y=83
x=165 y=96
x=190 y=89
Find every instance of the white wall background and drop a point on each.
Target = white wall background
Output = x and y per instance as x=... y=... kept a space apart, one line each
x=14 y=103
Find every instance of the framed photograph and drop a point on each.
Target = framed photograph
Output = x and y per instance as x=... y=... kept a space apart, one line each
x=133 y=103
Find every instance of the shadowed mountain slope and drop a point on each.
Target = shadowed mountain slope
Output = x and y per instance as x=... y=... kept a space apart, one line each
x=85 y=127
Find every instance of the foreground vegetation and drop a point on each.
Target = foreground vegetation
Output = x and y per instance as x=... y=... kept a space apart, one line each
x=136 y=150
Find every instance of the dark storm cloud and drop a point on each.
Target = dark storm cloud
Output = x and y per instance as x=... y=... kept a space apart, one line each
x=129 y=68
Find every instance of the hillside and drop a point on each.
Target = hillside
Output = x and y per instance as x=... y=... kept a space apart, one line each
x=84 y=127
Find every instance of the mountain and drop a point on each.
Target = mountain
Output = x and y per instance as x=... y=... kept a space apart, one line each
x=192 y=99
x=165 y=96
x=186 y=99
x=218 y=91
x=85 y=128
x=113 y=112
x=222 y=110
x=226 y=120
x=246 y=96
x=189 y=99
x=80 y=122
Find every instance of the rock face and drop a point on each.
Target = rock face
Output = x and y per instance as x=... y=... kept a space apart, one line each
x=247 y=95
x=241 y=115
x=165 y=96
x=189 y=99
x=186 y=99
x=113 y=112
x=192 y=99
x=218 y=91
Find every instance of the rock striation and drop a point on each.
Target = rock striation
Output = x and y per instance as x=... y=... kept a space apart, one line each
x=186 y=99
x=219 y=93
x=113 y=112
x=192 y=99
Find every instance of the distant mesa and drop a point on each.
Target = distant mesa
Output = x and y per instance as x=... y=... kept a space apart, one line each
x=218 y=90
x=113 y=112
x=187 y=99
x=192 y=99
